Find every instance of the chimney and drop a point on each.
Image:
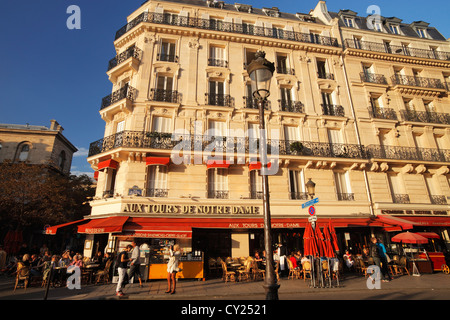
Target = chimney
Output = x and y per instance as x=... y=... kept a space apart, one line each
x=55 y=126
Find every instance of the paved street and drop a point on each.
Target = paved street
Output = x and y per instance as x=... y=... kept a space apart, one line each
x=426 y=287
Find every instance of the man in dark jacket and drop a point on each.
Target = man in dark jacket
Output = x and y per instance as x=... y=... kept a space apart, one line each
x=375 y=254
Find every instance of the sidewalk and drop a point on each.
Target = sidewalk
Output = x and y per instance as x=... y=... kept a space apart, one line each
x=352 y=287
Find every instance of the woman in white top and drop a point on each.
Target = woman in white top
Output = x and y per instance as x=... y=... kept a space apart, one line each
x=172 y=267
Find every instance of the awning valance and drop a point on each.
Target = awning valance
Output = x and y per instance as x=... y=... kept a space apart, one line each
x=218 y=164
x=395 y=222
x=103 y=225
x=107 y=164
x=427 y=221
x=429 y=235
x=52 y=230
x=157 y=161
x=257 y=165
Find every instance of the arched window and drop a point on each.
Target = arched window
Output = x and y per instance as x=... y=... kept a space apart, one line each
x=23 y=152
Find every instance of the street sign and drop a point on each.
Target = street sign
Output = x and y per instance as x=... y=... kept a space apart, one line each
x=312 y=219
x=310 y=203
x=312 y=211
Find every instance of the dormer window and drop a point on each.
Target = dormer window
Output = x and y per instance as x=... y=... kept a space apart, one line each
x=422 y=33
x=272 y=12
x=349 y=22
x=377 y=27
x=394 y=28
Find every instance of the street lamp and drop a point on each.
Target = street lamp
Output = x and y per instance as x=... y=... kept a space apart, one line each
x=311 y=187
x=261 y=71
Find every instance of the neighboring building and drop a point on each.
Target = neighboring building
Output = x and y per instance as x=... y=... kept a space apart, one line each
x=36 y=145
x=181 y=65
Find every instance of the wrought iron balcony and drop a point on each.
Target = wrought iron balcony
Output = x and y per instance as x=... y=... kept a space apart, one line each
x=120 y=58
x=345 y=196
x=385 y=48
x=319 y=149
x=373 y=78
x=383 y=113
x=126 y=92
x=333 y=110
x=218 y=63
x=298 y=195
x=438 y=199
x=398 y=79
x=167 y=57
x=251 y=103
x=324 y=75
x=214 y=25
x=214 y=194
x=408 y=153
x=285 y=70
x=291 y=106
x=400 y=198
x=164 y=95
x=223 y=100
x=157 y=193
x=425 y=116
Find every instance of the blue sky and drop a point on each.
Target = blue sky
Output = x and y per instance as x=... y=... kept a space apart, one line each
x=50 y=72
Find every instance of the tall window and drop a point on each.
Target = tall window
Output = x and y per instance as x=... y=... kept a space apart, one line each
x=343 y=188
x=349 y=22
x=297 y=188
x=162 y=124
x=217 y=128
x=397 y=189
x=394 y=29
x=110 y=182
x=335 y=136
x=217 y=57
x=23 y=152
x=62 y=160
x=218 y=183
x=422 y=33
x=216 y=95
x=157 y=181
x=255 y=184
x=164 y=83
x=167 y=51
x=286 y=96
x=283 y=64
x=291 y=133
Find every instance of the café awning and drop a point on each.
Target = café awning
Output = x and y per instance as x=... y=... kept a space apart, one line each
x=428 y=221
x=107 y=164
x=52 y=230
x=103 y=225
x=157 y=161
x=146 y=228
x=395 y=222
x=210 y=164
x=429 y=235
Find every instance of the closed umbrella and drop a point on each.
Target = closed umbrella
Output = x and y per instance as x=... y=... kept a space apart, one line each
x=320 y=242
x=329 y=253
x=333 y=236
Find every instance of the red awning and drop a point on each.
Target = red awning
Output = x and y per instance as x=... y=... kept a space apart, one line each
x=145 y=228
x=257 y=165
x=107 y=164
x=395 y=222
x=96 y=175
x=103 y=225
x=157 y=161
x=217 y=164
x=429 y=235
x=428 y=221
x=52 y=230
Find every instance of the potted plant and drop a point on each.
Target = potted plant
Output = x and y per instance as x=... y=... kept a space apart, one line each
x=296 y=147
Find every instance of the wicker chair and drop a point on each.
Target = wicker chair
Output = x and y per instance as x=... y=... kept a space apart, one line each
x=306 y=269
x=294 y=273
x=245 y=273
x=23 y=273
x=227 y=275
x=103 y=275
x=258 y=274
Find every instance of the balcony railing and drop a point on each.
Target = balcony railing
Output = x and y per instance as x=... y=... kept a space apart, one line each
x=407 y=153
x=398 y=79
x=298 y=195
x=438 y=199
x=285 y=70
x=213 y=194
x=406 y=51
x=251 y=103
x=218 y=63
x=345 y=196
x=425 y=116
x=324 y=75
x=126 y=92
x=383 y=113
x=223 y=100
x=400 y=198
x=157 y=193
x=214 y=25
x=333 y=110
x=373 y=78
x=166 y=57
x=164 y=95
x=130 y=52
x=291 y=106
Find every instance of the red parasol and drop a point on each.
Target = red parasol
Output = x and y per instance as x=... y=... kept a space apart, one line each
x=307 y=240
x=329 y=253
x=409 y=237
x=333 y=236
x=320 y=242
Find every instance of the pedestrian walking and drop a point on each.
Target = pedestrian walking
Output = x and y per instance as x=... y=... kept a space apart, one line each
x=122 y=260
x=135 y=264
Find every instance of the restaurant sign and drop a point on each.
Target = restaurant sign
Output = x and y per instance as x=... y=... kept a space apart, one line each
x=191 y=209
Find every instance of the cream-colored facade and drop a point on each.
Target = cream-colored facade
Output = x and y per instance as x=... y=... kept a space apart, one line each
x=181 y=67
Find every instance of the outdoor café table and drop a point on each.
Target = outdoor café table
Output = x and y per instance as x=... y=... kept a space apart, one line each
x=91 y=268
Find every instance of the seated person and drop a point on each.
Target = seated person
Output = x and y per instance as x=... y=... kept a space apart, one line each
x=348 y=258
x=293 y=259
x=259 y=260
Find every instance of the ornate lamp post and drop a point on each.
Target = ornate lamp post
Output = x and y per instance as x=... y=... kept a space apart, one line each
x=311 y=187
x=261 y=71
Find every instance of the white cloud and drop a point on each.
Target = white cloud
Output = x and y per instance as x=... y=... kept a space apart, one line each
x=82 y=152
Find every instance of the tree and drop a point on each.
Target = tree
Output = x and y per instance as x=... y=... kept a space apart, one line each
x=32 y=196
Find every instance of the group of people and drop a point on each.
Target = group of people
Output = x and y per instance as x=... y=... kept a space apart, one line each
x=42 y=262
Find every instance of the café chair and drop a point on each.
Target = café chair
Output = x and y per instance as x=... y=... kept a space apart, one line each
x=228 y=275
x=23 y=274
